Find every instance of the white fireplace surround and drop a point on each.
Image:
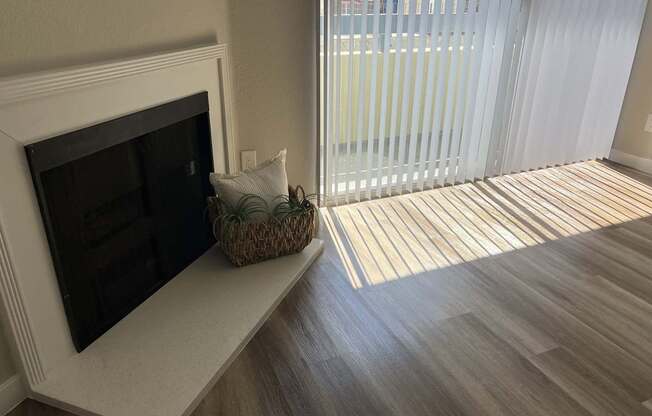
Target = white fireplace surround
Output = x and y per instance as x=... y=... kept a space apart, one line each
x=44 y=105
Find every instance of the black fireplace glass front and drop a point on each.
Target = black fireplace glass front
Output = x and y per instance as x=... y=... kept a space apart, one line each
x=126 y=217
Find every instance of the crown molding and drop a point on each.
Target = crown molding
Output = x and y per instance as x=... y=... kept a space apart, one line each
x=23 y=87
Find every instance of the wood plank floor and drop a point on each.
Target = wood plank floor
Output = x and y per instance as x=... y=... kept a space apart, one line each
x=529 y=294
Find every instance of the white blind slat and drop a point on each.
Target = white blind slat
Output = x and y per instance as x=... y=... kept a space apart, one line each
x=482 y=91
x=470 y=110
x=328 y=175
x=417 y=96
x=461 y=99
x=493 y=96
x=396 y=76
x=407 y=93
x=361 y=101
x=504 y=99
x=436 y=123
x=372 y=100
x=451 y=88
x=383 y=102
x=349 y=173
x=336 y=131
x=426 y=140
x=333 y=161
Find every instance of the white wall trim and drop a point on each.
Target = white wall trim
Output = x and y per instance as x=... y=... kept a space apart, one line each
x=12 y=393
x=636 y=162
x=17 y=316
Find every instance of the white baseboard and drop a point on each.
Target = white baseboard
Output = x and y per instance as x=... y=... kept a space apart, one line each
x=12 y=393
x=636 y=162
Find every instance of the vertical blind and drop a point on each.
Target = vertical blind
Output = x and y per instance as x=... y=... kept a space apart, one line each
x=420 y=94
x=576 y=64
x=412 y=90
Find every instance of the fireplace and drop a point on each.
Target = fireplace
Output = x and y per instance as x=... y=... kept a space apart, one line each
x=123 y=207
x=165 y=354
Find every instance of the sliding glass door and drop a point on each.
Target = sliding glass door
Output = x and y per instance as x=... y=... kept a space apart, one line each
x=414 y=91
x=425 y=93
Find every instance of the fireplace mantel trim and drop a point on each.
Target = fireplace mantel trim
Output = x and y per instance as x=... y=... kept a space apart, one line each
x=18 y=94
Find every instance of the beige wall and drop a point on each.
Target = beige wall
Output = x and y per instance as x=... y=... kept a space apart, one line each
x=272 y=45
x=630 y=137
x=274 y=59
x=42 y=34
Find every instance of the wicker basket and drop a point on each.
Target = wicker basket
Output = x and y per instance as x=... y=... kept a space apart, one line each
x=250 y=243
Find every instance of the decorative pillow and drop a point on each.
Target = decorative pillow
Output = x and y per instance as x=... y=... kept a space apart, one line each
x=267 y=180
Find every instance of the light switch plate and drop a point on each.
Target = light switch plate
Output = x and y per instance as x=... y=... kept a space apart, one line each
x=648 y=125
x=247 y=159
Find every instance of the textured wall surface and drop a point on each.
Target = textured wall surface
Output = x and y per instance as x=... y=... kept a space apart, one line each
x=274 y=60
x=272 y=46
x=43 y=34
x=630 y=136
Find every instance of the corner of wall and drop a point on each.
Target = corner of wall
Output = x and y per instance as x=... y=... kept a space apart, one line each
x=632 y=145
x=632 y=161
x=12 y=393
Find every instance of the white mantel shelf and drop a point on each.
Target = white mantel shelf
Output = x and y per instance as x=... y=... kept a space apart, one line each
x=166 y=354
